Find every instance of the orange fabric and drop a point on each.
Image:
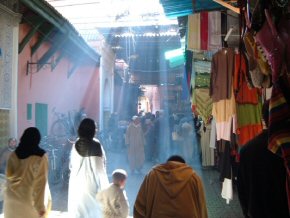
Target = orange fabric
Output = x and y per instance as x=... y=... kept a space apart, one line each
x=247 y=133
x=244 y=95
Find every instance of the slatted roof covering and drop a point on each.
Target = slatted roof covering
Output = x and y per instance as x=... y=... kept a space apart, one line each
x=179 y=8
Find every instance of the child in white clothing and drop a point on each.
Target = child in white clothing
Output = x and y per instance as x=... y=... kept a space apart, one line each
x=113 y=200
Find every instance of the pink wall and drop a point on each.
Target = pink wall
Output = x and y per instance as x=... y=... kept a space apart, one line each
x=54 y=88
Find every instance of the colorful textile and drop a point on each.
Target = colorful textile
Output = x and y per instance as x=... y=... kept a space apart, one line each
x=249 y=114
x=212 y=142
x=279 y=123
x=204 y=30
x=202 y=80
x=225 y=129
x=214 y=30
x=202 y=66
x=224 y=112
x=203 y=103
x=249 y=122
x=242 y=91
x=193 y=32
x=246 y=133
x=207 y=153
x=279 y=120
x=222 y=70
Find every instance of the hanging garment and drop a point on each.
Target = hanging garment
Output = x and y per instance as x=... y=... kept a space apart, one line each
x=249 y=121
x=213 y=140
x=193 y=32
x=279 y=127
x=202 y=80
x=272 y=44
x=214 y=30
x=206 y=151
x=222 y=71
x=224 y=164
x=204 y=30
x=279 y=123
x=203 y=103
x=244 y=95
x=224 y=112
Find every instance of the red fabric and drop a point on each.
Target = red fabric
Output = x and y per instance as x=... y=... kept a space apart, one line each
x=244 y=95
x=247 y=133
x=193 y=109
x=204 y=30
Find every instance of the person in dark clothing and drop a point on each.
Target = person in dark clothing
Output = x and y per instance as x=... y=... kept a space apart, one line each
x=262 y=178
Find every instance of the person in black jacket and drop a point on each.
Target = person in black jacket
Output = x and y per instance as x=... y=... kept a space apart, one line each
x=262 y=178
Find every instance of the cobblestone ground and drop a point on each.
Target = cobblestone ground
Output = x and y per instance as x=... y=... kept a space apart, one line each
x=217 y=207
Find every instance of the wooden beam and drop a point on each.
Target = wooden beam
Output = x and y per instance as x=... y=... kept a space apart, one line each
x=55 y=63
x=227 y=5
x=29 y=18
x=41 y=39
x=73 y=69
x=29 y=35
x=55 y=46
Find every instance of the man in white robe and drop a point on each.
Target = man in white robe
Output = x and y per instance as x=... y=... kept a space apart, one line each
x=135 y=144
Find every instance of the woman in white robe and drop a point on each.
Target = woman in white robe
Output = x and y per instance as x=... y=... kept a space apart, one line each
x=88 y=173
x=26 y=176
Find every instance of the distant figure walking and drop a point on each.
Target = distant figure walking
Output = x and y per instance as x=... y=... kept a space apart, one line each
x=26 y=174
x=135 y=143
x=88 y=173
x=171 y=189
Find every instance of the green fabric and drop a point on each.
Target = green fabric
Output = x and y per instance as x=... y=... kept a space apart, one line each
x=203 y=103
x=202 y=80
x=249 y=114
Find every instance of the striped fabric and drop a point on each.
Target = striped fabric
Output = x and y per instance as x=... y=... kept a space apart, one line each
x=279 y=118
x=203 y=103
x=279 y=124
x=204 y=31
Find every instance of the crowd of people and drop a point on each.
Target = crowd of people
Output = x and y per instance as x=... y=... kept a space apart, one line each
x=170 y=189
x=90 y=194
x=154 y=137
